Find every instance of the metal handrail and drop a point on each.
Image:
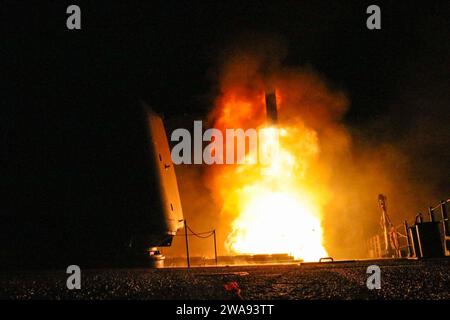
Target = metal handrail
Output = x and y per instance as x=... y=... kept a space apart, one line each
x=398 y=235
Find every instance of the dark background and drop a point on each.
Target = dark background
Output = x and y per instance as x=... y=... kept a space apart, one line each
x=72 y=153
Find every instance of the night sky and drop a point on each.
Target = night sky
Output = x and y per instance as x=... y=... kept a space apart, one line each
x=72 y=149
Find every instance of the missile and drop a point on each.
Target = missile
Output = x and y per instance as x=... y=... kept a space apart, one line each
x=271 y=107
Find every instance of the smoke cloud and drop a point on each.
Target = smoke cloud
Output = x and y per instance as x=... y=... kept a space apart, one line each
x=353 y=165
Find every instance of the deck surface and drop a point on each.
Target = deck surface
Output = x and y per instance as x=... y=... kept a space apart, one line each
x=345 y=280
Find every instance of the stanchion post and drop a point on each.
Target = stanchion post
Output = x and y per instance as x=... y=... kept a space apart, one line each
x=215 y=246
x=408 y=240
x=446 y=227
x=430 y=212
x=187 y=243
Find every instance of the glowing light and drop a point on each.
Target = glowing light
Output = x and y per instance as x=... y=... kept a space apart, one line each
x=276 y=212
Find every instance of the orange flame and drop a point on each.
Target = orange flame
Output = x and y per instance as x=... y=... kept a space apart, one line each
x=274 y=209
x=277 y=207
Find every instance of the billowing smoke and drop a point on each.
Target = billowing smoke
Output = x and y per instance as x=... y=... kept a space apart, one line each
x=352 y=166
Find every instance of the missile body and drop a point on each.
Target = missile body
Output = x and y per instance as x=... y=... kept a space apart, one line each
x=271 y=107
